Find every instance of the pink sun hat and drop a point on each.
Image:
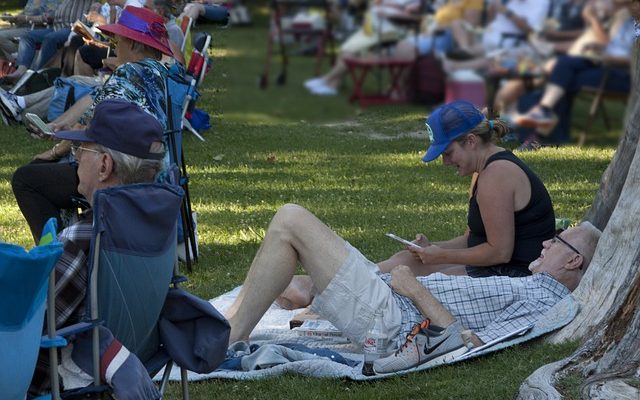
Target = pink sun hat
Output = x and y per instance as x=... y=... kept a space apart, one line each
x=141 y=25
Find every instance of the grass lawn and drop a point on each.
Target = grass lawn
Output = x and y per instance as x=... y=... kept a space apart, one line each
x=358 y=170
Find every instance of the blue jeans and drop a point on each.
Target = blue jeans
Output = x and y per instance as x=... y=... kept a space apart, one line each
x=49 y=41
x=216 y=14
x=572 y=73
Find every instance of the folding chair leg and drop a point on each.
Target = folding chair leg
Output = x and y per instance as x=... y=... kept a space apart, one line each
x=187 y=126
x=187 y=197
x=51 y=329
x=165 y=377
x=185 y=383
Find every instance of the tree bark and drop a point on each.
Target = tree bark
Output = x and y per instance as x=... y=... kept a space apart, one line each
x=615 y=175
x=609 y=294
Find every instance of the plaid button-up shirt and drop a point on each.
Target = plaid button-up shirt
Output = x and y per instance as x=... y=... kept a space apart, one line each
x=491 y=307
x=71 y=287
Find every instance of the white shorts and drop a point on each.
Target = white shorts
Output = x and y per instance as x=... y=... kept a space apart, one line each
x=352 y=297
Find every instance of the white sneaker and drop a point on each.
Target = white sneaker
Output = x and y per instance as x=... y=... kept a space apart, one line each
x=424 y=346
x=313 y=82
x=323 y=90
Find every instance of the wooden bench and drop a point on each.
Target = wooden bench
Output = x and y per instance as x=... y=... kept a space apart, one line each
x=395 y=89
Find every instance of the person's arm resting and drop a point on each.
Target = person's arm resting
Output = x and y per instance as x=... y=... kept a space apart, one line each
x=405 y=283
x=73 y=114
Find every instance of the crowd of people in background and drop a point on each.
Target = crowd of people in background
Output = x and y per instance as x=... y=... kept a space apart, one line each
x=541 y=52
x=510 y=242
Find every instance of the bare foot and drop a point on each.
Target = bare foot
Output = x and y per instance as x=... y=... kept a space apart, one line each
x=298 y=294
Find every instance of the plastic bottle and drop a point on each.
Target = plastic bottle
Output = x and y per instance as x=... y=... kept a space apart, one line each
x=375 y=344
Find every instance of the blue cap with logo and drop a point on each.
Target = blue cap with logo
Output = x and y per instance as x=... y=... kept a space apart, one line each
x=122 y=126
x=448 y=122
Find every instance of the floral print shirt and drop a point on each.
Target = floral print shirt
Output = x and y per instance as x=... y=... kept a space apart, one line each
x=142 y=83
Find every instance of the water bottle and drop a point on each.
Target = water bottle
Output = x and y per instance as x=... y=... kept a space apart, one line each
x=375 y=344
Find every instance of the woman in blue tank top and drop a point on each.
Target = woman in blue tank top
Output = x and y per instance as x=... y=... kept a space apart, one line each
x=510 y=211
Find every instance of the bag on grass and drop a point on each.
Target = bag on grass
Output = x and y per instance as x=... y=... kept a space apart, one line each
x=66 y=92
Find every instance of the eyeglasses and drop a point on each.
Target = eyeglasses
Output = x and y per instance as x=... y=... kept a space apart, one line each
x=558 y=238
x=76 y=150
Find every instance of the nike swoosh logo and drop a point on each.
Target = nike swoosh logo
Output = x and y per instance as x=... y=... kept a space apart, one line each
x=428 y=351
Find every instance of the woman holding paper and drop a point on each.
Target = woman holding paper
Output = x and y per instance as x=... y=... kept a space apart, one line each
x=510 y=212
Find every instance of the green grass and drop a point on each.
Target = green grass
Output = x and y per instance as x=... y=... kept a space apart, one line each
x=358 y=170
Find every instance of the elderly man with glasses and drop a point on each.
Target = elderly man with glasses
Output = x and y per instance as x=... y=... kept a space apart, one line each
x=351 y=290
x=122 y=145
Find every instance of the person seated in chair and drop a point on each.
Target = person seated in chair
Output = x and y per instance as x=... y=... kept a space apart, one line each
x=49 y=39
x=553 y=42
x=208 y=11
x=351 y=289
x=122 y=145
x=35 y=14
x=89 y=55
x=45 y=186
x=443 y=33
x=570 y=73
x=377 y=29
x=510 y=24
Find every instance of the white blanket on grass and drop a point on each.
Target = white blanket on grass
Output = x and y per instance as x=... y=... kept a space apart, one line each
x=273 y=328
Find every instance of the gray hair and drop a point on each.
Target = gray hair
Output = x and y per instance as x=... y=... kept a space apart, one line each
x=588 y=242
x=131 y=169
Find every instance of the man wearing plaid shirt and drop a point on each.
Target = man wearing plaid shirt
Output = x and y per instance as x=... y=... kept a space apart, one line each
x=122 y=145
x=351 y=289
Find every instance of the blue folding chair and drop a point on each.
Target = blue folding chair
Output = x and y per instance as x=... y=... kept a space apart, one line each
x=133 y=260
x=23 y=284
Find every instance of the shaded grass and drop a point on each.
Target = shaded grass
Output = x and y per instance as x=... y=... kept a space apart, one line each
x=358 y=170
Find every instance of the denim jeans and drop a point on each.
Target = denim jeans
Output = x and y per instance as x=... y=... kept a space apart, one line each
x=49 y=41
x=572 y=73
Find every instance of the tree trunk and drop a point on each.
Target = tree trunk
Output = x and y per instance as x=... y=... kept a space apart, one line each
x=616 y=173
x=609 y=294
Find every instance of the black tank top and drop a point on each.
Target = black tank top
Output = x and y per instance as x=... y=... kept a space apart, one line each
x=534 y=224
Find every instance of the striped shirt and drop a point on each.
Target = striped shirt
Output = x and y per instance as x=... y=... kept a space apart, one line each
x=70 y=11
x=491 y=306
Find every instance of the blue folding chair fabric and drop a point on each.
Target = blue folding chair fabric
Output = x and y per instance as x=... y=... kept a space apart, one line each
x=23 y=284
x=136 y=227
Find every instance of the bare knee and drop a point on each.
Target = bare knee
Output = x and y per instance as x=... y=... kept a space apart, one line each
x=288 y=220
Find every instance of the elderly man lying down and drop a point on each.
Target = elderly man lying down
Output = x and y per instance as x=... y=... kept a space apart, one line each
x=350 y=289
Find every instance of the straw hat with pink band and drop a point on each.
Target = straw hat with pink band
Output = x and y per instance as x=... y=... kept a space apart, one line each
x=143 y=26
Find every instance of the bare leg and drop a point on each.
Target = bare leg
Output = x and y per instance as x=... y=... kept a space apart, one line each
x=552 y=94
x=508 y=94
x=298 y=294
x=475 y=64
x=293 y=235
x=334 y=77
x=193 y=11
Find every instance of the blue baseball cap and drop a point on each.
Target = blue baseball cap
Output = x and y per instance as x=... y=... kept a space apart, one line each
x=448 y=122
x=122 y=126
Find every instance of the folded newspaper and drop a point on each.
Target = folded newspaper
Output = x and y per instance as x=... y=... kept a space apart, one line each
x=317 y=327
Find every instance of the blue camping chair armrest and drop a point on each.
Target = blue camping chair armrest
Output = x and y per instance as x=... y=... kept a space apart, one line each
x=59 y=340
